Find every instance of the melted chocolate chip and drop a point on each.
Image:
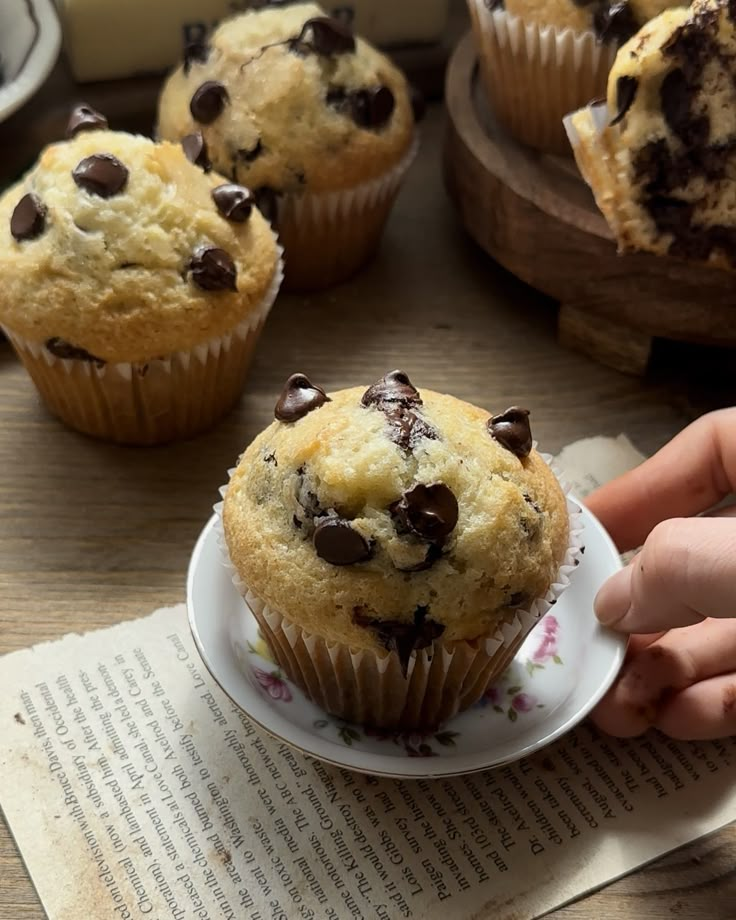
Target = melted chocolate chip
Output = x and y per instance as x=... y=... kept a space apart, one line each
x=267 y=201
x=195 y=52
x=337 y=542
x=626 y=88
x=61 y=349
x=84 y=118
x=397 y=398
x=676 y=97
x=213 y=269
x=234 y=202
x=615 y=23
x=271 y=458
x=28 y=219
x=418 y=104
x=208 y=102
x=299 y=397
x=395 y=387
x=369 y=108
x=512 y=430
x=402 y=638
x=249 y=156
x=372 y=108
x=101 y=174
x=327 y=36
x=430 y=512
x=195 y=150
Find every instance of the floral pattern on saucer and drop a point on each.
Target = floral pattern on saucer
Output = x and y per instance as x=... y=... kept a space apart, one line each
x=510 y=696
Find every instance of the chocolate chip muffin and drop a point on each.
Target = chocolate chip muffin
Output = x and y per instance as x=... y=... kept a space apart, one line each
x=660 y=156
x=133 y=284
x=541 y=59
x=396 y=547
x=316 y=122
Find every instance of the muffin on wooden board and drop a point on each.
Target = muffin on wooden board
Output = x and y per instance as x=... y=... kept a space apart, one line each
x=314 y=120
x=395 y=547
x=541 y=59
x=133 y=285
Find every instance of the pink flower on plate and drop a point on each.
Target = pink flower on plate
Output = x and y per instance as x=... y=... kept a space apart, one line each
x=524 y=702
x=493 y=695
x=547 y=648
x=274 y=685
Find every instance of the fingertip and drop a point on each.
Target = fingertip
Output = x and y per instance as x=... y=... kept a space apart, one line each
x=613 y=601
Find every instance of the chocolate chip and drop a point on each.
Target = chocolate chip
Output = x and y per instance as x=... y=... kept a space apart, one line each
x=101 y=174
x=327 y=36
x=195 y=52
x=512 y=430
x=271 y=458
x=372 y=108
x=195 y=150
x=84 y=118
x=337 y=542
x=394 y=387
x=299 y=397
x=400 y=637
x=267 y=201
x=253 y=153
x=29 y=218
x=418 y=103
x=429 y=511
x=615 y=23
x=213 y=269
x=517 y=599
x=626 y=88
x=397 y=398
x=234 y=202
x=61 y=349
x=208 y=102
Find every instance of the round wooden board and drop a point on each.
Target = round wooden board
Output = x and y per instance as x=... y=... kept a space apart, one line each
x=536 y=216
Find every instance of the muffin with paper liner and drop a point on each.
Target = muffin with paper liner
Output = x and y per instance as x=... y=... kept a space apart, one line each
x=659 y=154
x=396 y=547
x=133 y=285
x=541 y=59
x=314 y=120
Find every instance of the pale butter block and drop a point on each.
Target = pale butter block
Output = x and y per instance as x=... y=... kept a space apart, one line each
x=105 y=39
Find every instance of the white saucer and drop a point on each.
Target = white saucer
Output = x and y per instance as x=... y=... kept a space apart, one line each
x=562 y=670
x=30 y=39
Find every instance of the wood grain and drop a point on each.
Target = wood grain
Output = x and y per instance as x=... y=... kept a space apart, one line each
x=92 y=534
x=535 y=215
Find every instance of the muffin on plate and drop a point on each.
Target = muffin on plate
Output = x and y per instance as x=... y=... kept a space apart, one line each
x=316 y=122
x=395 y=547
x=133 y=285
x=541 y=59
x=660 y=156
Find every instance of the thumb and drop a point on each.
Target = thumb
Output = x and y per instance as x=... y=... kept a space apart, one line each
x=685 y=572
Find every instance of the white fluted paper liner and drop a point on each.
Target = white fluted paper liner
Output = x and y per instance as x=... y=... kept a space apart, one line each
x=150 y=402
x=368 y=686
x=328 y=236
x=594 y=144
x=534 y=75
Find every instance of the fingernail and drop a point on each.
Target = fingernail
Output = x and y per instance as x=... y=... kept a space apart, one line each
x=613 y=601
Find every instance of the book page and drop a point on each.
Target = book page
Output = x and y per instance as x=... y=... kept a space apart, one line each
x=135 y=788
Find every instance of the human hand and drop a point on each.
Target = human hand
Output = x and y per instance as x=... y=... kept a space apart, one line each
x=677 y=597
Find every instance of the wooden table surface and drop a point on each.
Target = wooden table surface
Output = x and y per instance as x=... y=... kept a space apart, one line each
x=92 y=534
